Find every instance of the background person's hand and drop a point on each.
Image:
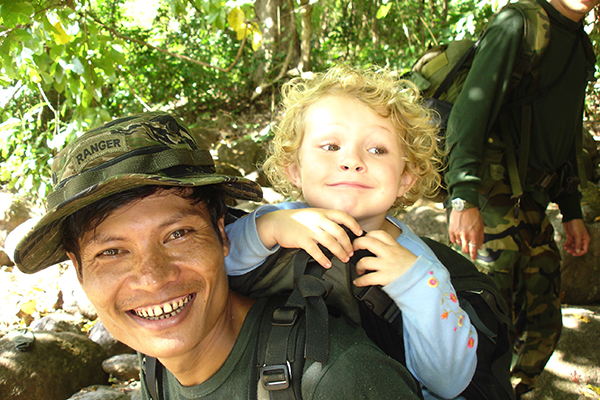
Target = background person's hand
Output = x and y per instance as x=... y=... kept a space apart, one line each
x=578 y=238
x=466 y=230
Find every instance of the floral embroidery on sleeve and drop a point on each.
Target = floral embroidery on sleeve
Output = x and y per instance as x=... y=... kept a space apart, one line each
x=450 y=306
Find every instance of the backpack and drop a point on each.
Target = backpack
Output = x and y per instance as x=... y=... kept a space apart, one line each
x=441 y=72
x=307 y=308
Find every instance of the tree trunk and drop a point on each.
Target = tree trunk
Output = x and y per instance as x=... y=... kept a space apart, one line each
x=306 y=36
x=280 y=47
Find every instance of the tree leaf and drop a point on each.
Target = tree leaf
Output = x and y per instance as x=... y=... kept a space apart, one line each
x=61 y=37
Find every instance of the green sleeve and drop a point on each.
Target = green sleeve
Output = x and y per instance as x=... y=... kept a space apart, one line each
x=479 y=103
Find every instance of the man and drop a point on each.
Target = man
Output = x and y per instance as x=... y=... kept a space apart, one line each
x=508 y=233
x=140 y=212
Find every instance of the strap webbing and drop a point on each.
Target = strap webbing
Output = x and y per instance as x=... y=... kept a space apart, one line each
x=517 y=171
x=310 y=292
x=151 y=375
x=140 y=164
x=450 y=77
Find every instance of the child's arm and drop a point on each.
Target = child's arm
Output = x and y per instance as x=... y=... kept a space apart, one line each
x=440 y=343
x=294 y=225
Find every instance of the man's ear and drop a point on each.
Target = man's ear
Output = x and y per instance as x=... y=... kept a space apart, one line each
x=223 y=235
x=76 y=266
x=407 y=182
x=293 y=172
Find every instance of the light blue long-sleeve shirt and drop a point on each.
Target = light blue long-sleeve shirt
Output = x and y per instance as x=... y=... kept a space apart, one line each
x=440 y=343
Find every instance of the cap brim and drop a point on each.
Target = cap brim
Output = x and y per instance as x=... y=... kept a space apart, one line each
x=42 y=247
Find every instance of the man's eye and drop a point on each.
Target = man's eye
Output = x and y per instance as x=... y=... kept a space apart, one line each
x=330 y=147
x=110 y=252
x=377 y=150
x=179 y=233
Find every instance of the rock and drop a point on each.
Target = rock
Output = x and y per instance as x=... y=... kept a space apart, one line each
x=123 y=367
x=74 y=298
x=13 y=212
x=100 y=393
x=426 y=218
x=243 y=153
x=58 y=322
x=580 y=275
x=112 y=346
x=57 y=365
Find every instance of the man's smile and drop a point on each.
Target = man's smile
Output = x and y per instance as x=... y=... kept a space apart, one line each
x=165 y=310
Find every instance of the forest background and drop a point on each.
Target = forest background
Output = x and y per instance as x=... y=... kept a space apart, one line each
x=67 y=66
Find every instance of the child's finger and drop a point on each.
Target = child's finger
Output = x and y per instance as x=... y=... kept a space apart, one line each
x=367 y=280
x=345 y=219
x=334 y=236
x=315 y=252
x=339 y=247
x=375 y=241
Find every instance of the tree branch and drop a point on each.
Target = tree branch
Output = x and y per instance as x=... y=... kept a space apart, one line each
x=179 y=56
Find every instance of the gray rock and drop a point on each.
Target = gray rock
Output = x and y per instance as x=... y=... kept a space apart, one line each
x=13 y=212
x=74 y=298
x=99 y=393
x=57 y=365
x=580 y=275
x=122 y=367
x=112 y=346
x=58 y=322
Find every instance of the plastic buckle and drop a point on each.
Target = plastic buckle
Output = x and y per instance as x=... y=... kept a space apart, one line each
x=375 y=299
x=285 y=316
x=276 y=377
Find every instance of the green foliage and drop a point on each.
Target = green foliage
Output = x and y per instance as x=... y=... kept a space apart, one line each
x=72 y=65
x=69 y=65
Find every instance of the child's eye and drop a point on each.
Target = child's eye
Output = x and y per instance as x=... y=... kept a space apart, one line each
x=330 y=147
x=377 y=150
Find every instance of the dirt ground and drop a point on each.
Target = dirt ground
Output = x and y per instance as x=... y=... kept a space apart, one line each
x=573 y=372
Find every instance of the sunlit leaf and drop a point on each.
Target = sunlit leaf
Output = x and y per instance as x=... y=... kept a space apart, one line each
x=383 y=11
x=29 y=307
x=61 y=37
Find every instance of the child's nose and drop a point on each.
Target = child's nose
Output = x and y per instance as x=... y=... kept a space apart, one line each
x=352 y=162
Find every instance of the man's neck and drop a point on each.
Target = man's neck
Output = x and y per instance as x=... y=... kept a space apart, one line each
x=202 y=363
x=574 y=12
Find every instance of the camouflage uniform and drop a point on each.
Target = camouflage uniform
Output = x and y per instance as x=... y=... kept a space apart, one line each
x=518 y=249
x=520 y=254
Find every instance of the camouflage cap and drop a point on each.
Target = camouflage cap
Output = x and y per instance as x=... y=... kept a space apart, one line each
x=140 y=150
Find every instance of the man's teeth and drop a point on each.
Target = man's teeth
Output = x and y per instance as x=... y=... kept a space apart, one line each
x=166 y=310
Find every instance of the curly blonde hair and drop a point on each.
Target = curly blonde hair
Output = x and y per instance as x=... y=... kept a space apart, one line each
x=389 y=97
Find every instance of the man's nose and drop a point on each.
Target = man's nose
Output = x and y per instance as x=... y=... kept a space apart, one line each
x=154 y=270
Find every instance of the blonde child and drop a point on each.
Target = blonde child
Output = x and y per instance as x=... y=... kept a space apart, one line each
x=351 y=147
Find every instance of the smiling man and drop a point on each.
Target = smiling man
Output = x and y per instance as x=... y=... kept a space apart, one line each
x=143 y=223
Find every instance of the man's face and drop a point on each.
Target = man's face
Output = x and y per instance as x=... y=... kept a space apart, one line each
x=154 y=272
x=574 y=9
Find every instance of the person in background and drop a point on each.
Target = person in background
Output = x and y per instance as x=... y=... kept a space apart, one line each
x=508 y=234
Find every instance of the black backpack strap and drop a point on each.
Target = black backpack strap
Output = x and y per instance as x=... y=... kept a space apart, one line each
x=279 y=352
x=152 y=376
x=294 y=331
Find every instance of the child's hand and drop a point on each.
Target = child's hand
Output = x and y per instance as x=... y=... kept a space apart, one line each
x=307 y=228
x=390 y=262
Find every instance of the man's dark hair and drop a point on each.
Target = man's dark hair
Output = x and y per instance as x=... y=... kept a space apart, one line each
x=91 y=216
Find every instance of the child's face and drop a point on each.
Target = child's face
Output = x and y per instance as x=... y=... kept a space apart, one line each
x=350 y=160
